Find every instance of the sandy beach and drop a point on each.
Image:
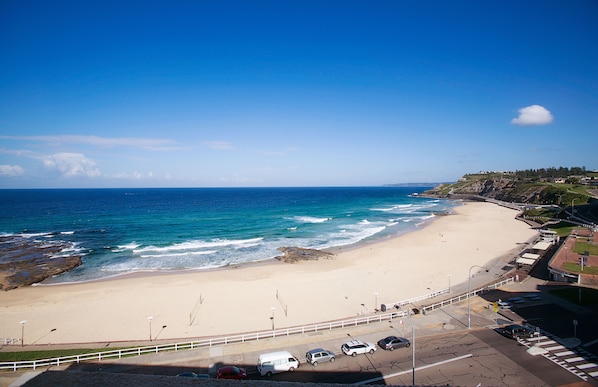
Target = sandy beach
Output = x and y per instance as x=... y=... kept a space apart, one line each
x=243 y=299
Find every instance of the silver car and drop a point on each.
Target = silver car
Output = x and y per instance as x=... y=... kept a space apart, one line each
x=319 y=355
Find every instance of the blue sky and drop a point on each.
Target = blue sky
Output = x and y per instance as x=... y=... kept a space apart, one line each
x=293 y=93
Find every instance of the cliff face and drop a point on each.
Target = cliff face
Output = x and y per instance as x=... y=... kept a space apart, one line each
x=505 y=190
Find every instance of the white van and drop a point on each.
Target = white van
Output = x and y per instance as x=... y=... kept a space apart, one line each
x=275 y=362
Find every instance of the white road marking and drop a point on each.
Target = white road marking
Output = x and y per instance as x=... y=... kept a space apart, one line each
x=416 y=369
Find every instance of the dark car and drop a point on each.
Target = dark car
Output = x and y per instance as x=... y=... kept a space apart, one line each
x=231 y=372
x=193 y=375
x=515 y=331
x=391 y=342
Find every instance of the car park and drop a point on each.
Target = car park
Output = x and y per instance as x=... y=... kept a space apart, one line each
x=356 y=347
x=231 y=372
x=390 y=343
x=319 y=355
x=515 y=331
x=516 y=300
x=533 y=297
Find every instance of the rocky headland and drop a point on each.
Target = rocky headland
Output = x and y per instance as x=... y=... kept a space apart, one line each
x=26 y=261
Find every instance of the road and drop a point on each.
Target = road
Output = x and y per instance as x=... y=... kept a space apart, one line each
x=446 y=352
x=480 y=356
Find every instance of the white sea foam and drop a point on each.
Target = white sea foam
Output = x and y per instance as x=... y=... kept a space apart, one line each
x=171 y=255
x=128 y=246
x=394 y=208
x=352 y=235
x=197 y=245
x=34 y=235
x=310 y=219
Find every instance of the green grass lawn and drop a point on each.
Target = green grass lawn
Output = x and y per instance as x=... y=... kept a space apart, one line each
x=575 y=268
x=578 y=295
x=581 y=247
x=49 y=354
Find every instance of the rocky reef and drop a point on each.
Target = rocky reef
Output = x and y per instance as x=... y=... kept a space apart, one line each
x=26 y=261
x=296 y=254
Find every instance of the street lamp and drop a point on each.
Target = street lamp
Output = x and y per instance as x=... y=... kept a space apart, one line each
x=412 y=344
x=412 y=348
x=150 y=318
x=272 y=317
x=449 y=276
x=376 y=302
x=469 y=295
x=23 y=332
x=573 y=208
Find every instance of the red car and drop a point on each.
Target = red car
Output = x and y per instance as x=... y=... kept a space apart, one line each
x=231 y=372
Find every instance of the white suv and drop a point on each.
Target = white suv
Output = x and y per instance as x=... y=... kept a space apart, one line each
x=356 y=347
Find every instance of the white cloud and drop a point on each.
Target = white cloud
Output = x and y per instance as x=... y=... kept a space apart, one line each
x=135 y=176
x=533 y=115
x=72 y=164
x=155 y=144
x=11 y=170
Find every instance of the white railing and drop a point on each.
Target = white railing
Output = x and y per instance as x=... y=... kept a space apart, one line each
x=386 y=306
x=462 y=297
x=208 y=342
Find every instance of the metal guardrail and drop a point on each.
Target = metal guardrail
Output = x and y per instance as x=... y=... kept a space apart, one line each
x=241 y=338
x=463 y=297
x=386 y=306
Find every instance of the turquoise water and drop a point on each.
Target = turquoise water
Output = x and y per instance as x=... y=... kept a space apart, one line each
x=121 y=231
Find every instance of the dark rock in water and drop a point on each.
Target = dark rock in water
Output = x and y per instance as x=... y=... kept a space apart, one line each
x=295 y=254
x=25 y=261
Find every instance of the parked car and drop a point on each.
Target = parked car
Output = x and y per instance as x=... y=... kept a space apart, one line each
x=275 y=362
x=193 y=375
x=356 y=347
x=231 y=372
x=390 y=343
x=515 y=331
x=319 y=355
x=499 y=305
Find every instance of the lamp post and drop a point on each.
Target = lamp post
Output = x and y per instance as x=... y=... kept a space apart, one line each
x=23 y=332
x=376 y=301
x=469 y=295
x=150 y=318
x=412 y=348
x=449 y=277
x=272 y=317
x=573 y=208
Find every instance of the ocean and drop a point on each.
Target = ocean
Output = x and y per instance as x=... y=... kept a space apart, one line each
x=120 y=231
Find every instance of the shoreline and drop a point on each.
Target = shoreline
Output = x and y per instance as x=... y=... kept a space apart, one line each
x=254 y=296
x=268 y=261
